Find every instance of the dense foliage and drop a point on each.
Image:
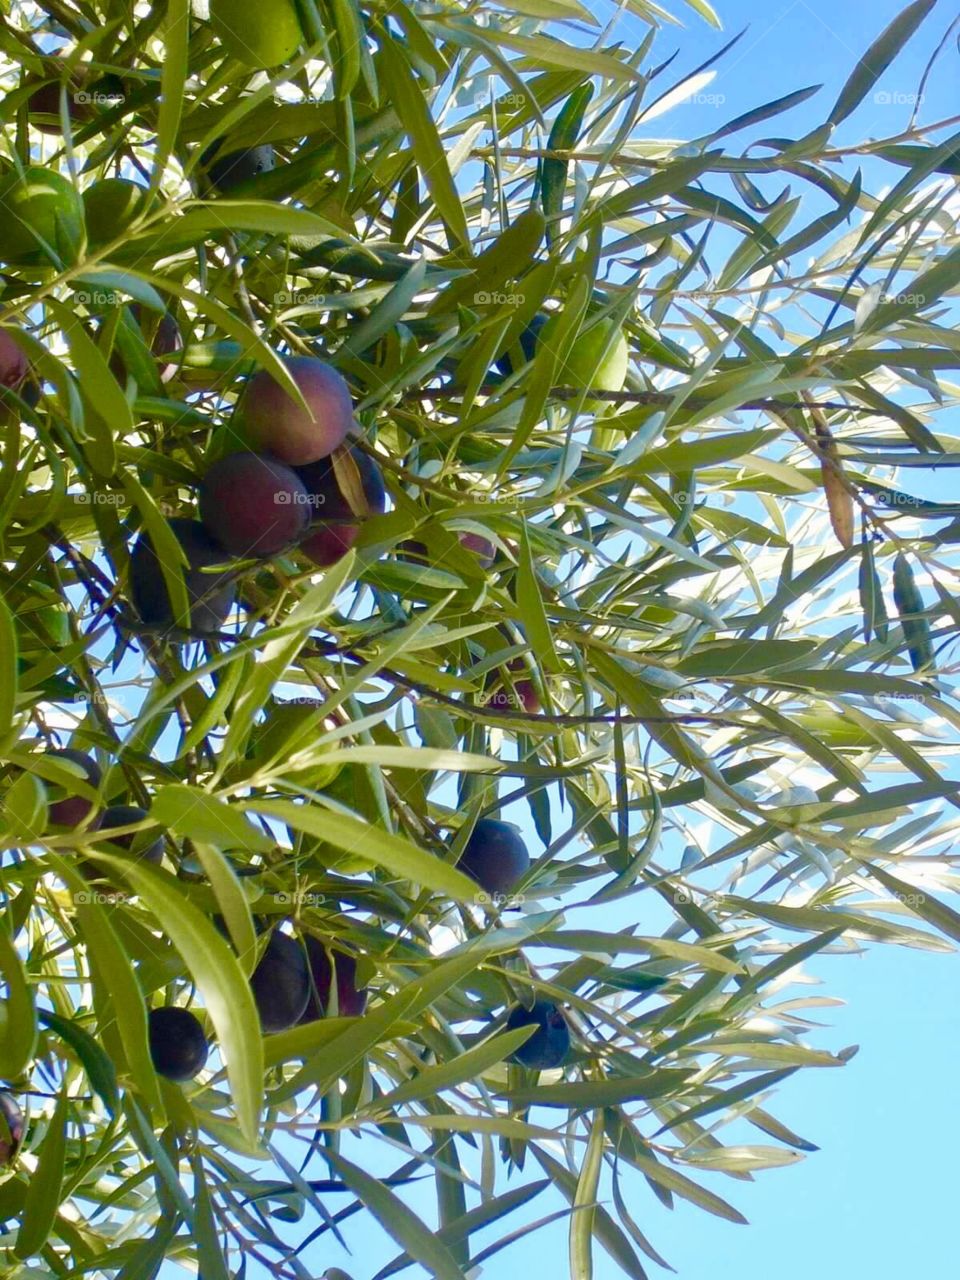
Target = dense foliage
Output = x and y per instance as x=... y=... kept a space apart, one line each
x=618 y=604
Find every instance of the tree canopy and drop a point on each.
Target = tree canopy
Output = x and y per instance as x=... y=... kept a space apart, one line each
x=466 y=630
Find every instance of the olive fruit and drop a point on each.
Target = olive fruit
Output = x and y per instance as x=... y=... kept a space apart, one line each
x=178 y=1045
x=351 y=1001
x=281 y=983
x=253 y=505
x=549 y=1044
x=495 y=856
x=73 y=809
x=210 y=596
x=276 y=424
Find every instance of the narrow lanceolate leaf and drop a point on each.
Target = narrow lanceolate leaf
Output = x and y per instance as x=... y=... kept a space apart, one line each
x=190 y=812
x=871 y=596
x=210 y=1260
x=111 y=414
x=601 y=1093
x=466 y=1066
x=400 y=1222
x=585 y=1200
x=8 y=668
x=18 y=1019
x=839 y=499
x=532 y=612
x=45 y=1186
x=563 y=137
x=176 y=39
x=113 y=968
x=909 y=602
x=877 y=58
x=406 y=96
x=99 y=1068
x=222 y=983
x=606 y=1231
x=371 y=843
x=769 y=109
x=685 y=1187
x=926 y=906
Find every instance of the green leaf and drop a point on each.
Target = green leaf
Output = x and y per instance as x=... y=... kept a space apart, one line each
x=18 y=1019
x=100 y=389
x=8 y=668
x=373 y=844
x=600 y=1093
x=114 y=970
x=400 y=1222
x=25 y=808
x=176 y=40
x=877 y=58
x=585 y=1199
x=188 y=811
x=910 y=607
x=919 y=901
x=226 y=993
x=96 y=1063
x=532 y=612
x=431 y=1081
x=407 y=98
x=45 y=1188
x=563 y=137
x=604 y=1228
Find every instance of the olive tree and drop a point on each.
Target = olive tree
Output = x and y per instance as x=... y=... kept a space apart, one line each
x=434 y=838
